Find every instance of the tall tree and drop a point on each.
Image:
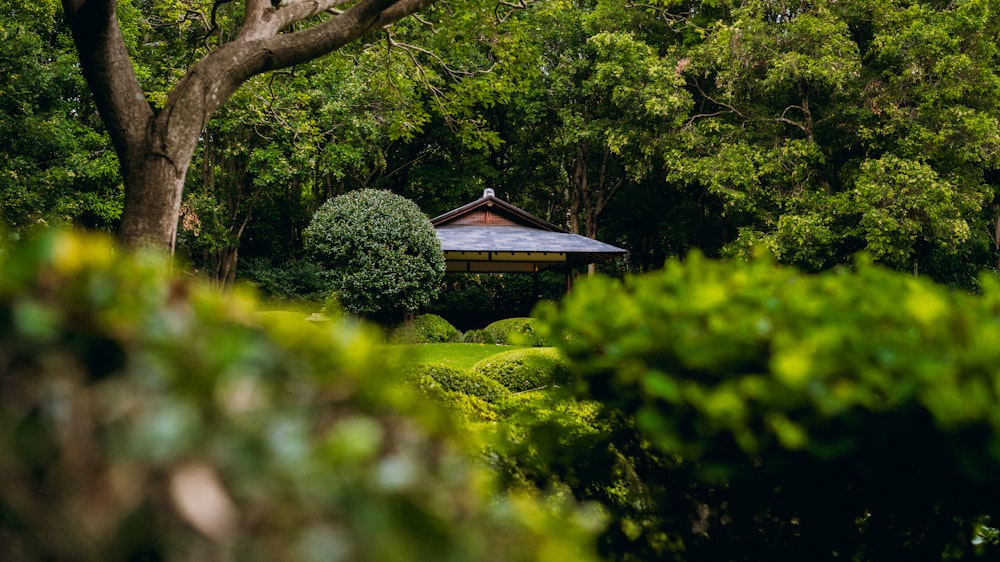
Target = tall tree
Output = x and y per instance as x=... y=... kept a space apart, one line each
x=596 y=110
x=281 y=147
x=155 y=143
x=826 y=128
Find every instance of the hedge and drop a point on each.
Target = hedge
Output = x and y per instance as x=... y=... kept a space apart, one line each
x=380 y=251
x=452 y=379
x=509 y=331
x=525 y=369
x=850 y=415
x=425 y=328
x=147 y=417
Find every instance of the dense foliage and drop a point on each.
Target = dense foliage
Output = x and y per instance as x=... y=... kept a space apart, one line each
x=381 y=253
x=56 y=162
x=145 y=417
x=754 y=413
x=813 y=131
x=522 y=370
x=425 y=328
x=716 y=412
x=509 y=331
x=451 y=379
x=290 y=281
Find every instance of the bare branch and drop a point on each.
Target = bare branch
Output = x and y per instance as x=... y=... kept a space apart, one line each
x=213 y=22
x=805 y=127
x=676 y=22
x=436 y=93
x=425 y=23
x=454 y=74
x=730 y=108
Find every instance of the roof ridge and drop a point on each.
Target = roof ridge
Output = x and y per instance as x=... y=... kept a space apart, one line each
x=489 y=200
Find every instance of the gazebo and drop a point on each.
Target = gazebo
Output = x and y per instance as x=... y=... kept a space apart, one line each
x=490 y=235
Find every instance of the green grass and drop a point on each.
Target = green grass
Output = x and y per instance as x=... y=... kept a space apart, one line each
x=458 y=355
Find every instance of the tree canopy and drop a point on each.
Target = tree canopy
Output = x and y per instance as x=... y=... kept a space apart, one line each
x=155 y=137
x=812 y=131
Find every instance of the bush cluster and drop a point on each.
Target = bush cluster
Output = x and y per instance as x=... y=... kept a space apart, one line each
x=145 y=417
x=425 y=328
x=522 y=370
x=451 y=379
x=509 y=331
x=431 y=328
x=479 y=335
x=849 y=415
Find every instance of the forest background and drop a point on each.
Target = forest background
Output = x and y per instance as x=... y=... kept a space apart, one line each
x=815 y=130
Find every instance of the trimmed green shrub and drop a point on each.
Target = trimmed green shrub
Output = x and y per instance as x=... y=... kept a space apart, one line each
x=478 y=336
x=468 y=408
x=380 y=251
x=456 y=380
x=850 y=415
x=425 y=328
x=471 y=408
x=516 y=331
x=146 y=417
x=525 y=369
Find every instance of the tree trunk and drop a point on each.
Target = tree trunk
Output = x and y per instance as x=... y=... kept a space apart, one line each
x=152 y=205
x=996 y=232
x=225 y=266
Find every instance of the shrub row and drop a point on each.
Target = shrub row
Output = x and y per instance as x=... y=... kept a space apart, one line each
x=488 y=390
x=426 y=328
x=452 y=379
x=850 y=415
x=132 y=400
x=521 y=370
x=431 y=328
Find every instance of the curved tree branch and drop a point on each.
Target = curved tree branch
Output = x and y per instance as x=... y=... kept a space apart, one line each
x=155 y=149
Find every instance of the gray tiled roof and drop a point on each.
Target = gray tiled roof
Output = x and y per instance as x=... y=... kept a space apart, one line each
x=518 y=239
x=469 y=229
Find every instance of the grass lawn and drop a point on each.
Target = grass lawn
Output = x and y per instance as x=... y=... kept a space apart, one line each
x=459 y=355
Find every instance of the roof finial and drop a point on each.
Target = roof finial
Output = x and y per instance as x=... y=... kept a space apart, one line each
x=488 y=193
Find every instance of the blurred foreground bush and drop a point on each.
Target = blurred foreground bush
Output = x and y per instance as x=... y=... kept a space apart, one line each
x=751 y=412
x=146 y=418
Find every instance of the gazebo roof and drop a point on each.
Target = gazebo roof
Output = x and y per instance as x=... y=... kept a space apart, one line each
x=490 y=235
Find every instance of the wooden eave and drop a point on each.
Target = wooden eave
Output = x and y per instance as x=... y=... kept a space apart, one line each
x=489 y=210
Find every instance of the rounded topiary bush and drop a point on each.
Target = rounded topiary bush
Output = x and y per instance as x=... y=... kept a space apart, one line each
x=426 y=328
x=478 y=336
x=516 y=331
x=380 y=251
x=525 y=369
x=452 y=379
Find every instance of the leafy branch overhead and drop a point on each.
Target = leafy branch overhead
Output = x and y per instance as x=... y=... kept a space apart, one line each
x=155 y=145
